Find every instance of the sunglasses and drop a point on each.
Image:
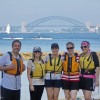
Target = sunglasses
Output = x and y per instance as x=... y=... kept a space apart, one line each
x=37 y=51
x=83 y=47
x=54 y=48
x=70 y=48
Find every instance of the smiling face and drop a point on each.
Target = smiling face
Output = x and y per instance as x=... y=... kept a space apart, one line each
x=85 y=46
x=70 y=48
x=55 y=51
x=37 y=54
x=85 y=49
x=16 y=47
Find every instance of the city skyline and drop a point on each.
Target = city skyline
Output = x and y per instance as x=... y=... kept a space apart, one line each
x=14 y=12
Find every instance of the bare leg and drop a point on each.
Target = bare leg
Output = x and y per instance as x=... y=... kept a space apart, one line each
x=87 y=94
x=50 y=93
x=67 y=94
x=73 y=94
x=56 y=93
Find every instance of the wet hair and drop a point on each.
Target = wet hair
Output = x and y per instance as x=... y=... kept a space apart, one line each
x=70 y=43
x=17 y=42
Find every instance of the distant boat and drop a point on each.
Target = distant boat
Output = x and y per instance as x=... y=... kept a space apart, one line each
x=41 y=38
x=8 y=29
x=12 y=38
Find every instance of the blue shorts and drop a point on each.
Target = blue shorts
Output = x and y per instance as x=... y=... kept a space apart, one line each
x=53 y=83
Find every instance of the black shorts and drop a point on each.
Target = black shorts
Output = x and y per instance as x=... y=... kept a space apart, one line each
x=53 y=83
x=87 y=83
x=69 y=85
x=7 y=94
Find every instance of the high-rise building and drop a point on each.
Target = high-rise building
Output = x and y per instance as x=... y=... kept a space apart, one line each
x=23 y=27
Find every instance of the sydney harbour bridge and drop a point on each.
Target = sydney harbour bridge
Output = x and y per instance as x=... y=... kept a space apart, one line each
x=52 y=24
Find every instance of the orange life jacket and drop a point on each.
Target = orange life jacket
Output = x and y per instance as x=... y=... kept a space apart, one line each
x=74 y=65
x=18 y=65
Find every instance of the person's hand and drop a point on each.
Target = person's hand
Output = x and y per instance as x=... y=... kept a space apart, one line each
x=32 y=88
x=97 y=82
x=11 y=67
x=23 y=67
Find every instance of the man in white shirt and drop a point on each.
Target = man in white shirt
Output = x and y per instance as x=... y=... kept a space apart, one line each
x=11 y=65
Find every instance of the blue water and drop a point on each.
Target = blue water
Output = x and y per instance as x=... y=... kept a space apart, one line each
x=28 y=42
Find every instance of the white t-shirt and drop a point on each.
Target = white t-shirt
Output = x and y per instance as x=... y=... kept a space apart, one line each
x=9 y=81
x=35 y=81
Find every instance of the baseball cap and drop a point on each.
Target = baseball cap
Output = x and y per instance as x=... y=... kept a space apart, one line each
x=36 y=49
x=54 y=45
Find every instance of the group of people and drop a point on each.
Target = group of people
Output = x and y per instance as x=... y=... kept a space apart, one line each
x=69 y=71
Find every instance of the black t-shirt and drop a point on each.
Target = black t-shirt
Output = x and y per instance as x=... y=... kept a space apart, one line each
x=95 y=59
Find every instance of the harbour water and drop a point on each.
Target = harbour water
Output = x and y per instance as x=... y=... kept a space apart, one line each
x=44 y=40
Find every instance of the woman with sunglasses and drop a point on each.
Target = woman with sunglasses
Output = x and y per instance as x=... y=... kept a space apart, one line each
x=89 y=70
x=70 y=76
x=35 y=73
x=53 y=73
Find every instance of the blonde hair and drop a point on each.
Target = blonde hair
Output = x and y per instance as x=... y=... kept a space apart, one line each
x=33 y=56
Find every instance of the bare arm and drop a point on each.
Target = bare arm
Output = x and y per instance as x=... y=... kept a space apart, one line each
x=97 y=76
x=23 y=68
x=29 y=77
x=8 y=67
x=3 y=68
x=29 y=68
x=96 y=62
x=4 y=63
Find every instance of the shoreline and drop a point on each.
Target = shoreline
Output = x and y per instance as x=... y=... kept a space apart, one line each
x=27 y=55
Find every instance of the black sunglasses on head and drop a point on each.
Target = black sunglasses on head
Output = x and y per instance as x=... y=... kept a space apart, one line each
x=70 y=48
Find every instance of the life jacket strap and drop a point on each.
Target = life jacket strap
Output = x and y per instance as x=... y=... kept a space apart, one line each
x=71 y=73
x=88 y=71
x=10 y=54
x=56 y=72
x=51 y=60
x=37 y=77
x=59 y=60
x=70 y=77
x=87 y=76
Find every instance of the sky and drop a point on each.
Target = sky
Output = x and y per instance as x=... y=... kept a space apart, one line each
x=16 y=11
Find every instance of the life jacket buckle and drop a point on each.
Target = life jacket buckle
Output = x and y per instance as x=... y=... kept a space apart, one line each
x=52 y=72
x=86 y=71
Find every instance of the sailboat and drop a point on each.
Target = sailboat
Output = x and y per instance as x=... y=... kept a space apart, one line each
x=8 y=29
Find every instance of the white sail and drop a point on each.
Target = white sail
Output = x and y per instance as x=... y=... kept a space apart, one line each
x=8 y=29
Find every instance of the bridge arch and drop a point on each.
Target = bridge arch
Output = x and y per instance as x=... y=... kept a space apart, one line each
x=38 y=22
